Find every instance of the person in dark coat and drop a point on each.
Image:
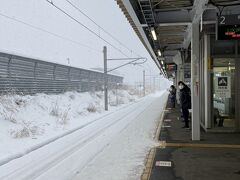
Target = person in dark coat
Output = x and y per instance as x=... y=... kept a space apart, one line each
x=185 y=101
x=172 y=95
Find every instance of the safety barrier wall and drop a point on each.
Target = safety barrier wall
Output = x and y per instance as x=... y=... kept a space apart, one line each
x=29 y=76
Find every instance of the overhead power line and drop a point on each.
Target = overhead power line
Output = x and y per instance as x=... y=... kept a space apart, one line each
x=48 y=32
x=108 y=33
x=80 y=23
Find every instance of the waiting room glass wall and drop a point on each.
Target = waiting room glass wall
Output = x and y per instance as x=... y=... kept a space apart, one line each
x=223 y=84
x=223 y=93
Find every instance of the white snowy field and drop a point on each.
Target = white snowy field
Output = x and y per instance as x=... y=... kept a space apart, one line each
x=100 y=145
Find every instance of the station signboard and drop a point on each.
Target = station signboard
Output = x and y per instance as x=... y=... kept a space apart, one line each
x=228 y=27
x=187 y=74
x=171 y=67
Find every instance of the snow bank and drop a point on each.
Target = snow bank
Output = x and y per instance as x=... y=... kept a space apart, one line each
x=28 y=122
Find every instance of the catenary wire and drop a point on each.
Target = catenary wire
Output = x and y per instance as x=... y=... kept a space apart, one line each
x=80 y=23
x=48 y=32
x=108 y=33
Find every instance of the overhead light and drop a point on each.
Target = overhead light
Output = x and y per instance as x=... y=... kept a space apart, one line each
x=159 y=53
x=153 y=34
x=164 y=67
x=162 y=62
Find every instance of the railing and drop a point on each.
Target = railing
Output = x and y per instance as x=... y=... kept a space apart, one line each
x=29 y=76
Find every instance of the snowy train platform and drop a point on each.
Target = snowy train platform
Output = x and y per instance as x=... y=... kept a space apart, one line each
x=177 y=157
x=109 y=147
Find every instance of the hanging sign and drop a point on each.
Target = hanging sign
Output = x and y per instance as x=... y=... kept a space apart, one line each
x=228 y=27
x=223 y=87
x=171 y=67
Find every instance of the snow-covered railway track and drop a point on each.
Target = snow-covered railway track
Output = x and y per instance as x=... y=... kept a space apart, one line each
x=37 y=146
x=68 y=155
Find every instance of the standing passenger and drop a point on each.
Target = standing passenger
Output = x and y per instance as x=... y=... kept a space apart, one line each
x=172 y=96
x=185 y=101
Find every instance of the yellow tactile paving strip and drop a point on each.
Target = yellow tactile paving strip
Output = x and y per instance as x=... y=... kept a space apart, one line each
x=164 y=144
x=148 y=164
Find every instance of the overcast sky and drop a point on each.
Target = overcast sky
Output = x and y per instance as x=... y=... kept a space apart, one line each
x=86 y=50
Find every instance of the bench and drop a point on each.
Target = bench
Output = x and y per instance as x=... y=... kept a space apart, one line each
x=219 y=117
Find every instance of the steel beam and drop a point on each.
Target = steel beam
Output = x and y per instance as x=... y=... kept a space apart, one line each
x=175 y=24
x=174 y=9
x=173 y=17
x=142 y=34
x=198 y=9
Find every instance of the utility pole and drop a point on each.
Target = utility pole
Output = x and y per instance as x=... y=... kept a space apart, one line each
x=105 y=59
x=144 y=83
x=105 y=78
x=68 y=61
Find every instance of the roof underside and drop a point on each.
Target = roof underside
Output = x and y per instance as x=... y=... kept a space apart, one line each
x=171 y=20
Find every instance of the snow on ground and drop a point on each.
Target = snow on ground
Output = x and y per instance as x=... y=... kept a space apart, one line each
x=28 y=122
x=110 y=146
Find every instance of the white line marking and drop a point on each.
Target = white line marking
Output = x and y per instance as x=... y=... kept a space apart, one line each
x=167 y=120
x=166 y=126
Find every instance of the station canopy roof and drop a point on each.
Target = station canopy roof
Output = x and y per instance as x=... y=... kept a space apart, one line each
x=171 y=21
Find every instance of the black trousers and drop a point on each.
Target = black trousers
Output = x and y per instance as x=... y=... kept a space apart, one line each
x=185 y=113
x=172 y=100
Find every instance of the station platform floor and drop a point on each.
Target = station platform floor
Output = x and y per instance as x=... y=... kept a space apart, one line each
x=215 y=157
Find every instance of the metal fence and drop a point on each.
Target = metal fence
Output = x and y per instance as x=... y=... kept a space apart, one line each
x=30 y=76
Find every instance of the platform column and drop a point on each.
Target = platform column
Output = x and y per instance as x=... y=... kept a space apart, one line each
x=237 y=87
x=207 y=81
x=195 y=81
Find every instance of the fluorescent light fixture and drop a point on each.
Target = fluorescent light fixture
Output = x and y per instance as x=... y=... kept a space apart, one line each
x=164 y=67
x=162 y=62
x=159 y=53
x=153 y=34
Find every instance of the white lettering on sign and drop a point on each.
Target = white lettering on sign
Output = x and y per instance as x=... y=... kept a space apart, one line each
x=163 y=163
x=222 y=20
